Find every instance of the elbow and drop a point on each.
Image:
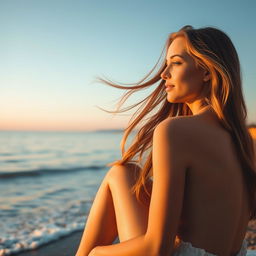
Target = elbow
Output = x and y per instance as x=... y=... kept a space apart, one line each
x=154 y=254
x=165 y=252
x=161 y=252
x=157 y=247
x=156 y=251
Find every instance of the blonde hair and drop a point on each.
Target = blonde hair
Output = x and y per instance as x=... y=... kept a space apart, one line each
x=213 y=50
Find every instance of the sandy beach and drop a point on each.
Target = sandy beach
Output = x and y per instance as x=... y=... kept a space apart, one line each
x=66 y=246
x=251 y=235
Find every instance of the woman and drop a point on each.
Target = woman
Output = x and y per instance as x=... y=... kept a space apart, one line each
x=198 y=152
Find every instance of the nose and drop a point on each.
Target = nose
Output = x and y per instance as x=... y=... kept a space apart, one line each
x=166 y=73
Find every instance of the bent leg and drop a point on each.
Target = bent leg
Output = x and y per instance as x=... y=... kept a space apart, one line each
x=115 y=211
x=100 y=226
x=131 y=215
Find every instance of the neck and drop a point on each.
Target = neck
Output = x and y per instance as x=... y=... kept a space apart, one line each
x=198 y=106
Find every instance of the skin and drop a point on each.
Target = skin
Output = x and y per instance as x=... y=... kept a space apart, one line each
x=187 y=78
x=198 y=194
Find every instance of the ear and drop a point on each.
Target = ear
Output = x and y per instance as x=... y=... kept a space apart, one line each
x=207 y=76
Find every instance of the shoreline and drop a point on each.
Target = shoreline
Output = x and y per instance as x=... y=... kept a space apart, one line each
x=65 y=246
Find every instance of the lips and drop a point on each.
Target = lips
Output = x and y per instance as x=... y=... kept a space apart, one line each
x=169 y=85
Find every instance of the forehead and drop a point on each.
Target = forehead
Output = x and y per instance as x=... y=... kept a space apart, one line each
x=178 y=46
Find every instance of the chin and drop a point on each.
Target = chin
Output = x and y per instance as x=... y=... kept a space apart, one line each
x=173 y=100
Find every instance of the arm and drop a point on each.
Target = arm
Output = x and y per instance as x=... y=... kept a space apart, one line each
x=169 y=169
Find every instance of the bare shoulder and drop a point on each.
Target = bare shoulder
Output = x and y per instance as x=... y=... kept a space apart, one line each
x=173 y=136
x=179 y=127
x=190 y=133
x=171 y=123
x=175 y=132
x=193 y=128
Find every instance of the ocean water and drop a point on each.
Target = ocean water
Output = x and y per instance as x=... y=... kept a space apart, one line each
x=48 y=181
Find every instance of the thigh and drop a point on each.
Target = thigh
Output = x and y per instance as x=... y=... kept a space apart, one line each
x=131 y=215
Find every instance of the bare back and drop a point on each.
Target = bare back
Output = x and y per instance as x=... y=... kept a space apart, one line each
x=215 y=211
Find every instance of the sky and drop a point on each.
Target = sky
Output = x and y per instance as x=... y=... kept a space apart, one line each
x=52 y=50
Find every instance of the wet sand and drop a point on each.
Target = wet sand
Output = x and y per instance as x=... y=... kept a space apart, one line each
x=66 y=246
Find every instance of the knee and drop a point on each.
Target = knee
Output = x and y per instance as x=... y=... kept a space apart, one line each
x=128 y=171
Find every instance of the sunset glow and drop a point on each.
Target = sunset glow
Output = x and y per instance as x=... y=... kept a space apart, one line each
x=51 y=52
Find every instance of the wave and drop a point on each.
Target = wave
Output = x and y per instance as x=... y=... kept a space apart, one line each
x=52 y=171
x=56 y=224
x=13 y=161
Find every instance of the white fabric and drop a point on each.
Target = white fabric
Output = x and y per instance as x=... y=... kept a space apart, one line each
x=187 y=249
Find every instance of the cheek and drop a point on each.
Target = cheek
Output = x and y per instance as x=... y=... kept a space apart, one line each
x=190 y=78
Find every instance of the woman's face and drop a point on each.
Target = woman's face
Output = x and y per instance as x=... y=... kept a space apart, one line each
x=184 y=80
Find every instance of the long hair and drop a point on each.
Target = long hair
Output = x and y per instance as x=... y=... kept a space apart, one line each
x=213 y=50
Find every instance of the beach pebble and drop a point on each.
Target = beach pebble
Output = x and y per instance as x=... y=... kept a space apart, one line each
x=4 y=252
x=34 y=245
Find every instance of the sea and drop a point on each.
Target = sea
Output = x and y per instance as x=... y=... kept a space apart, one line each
x=48 y=181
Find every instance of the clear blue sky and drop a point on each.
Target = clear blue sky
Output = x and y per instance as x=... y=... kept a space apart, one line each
x=51 y=50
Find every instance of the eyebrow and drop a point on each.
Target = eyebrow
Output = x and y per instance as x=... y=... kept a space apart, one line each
x=175 y=56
